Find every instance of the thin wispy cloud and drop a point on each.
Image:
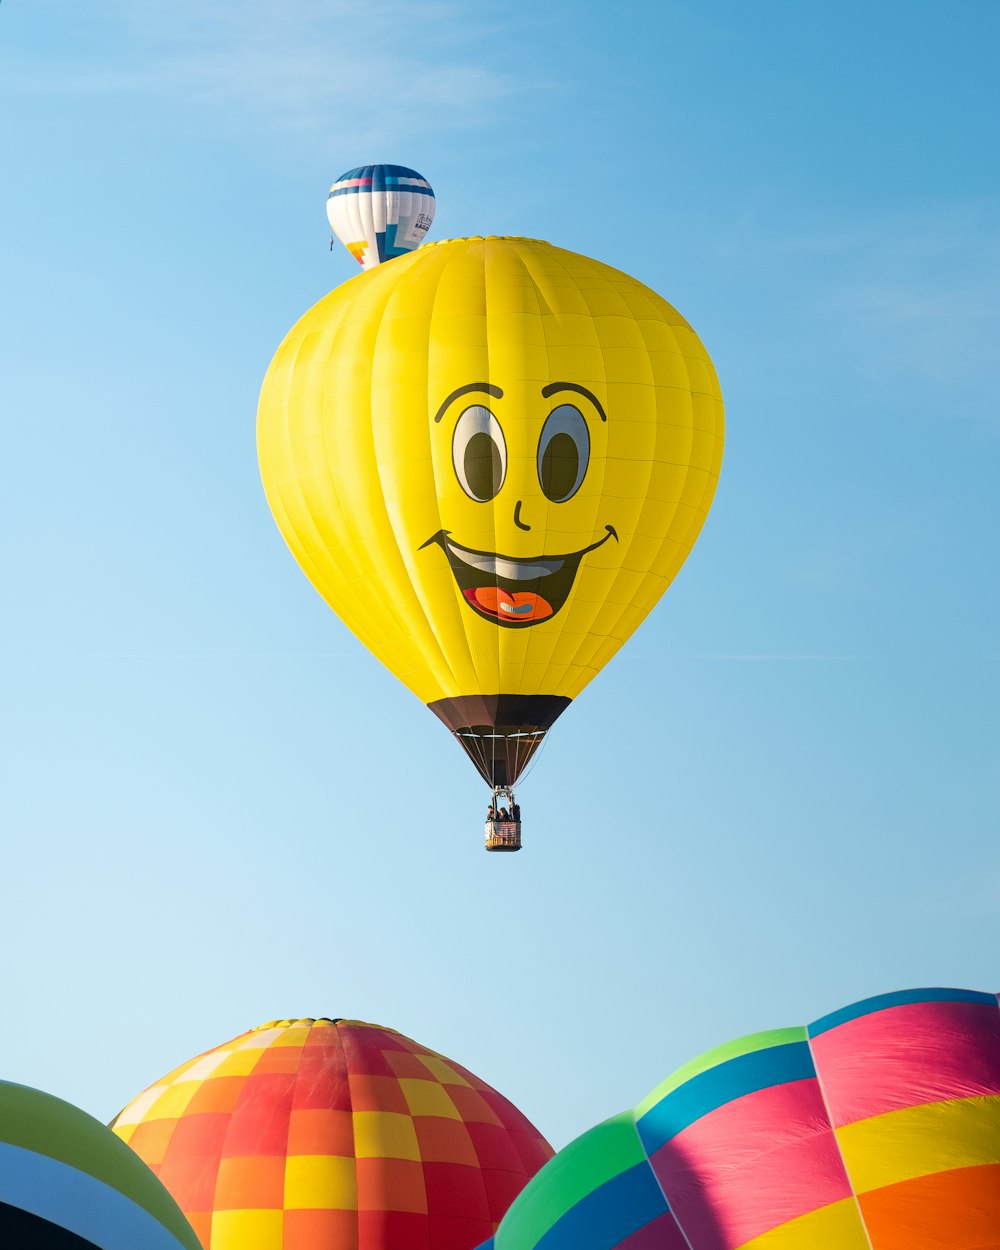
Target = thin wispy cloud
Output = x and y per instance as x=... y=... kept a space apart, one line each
x=917 y=299
x=929 y=306
x=907 y=298
x=374 y=69
x=769 y=656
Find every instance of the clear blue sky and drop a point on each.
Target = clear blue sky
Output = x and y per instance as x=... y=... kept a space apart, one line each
x=782 y=795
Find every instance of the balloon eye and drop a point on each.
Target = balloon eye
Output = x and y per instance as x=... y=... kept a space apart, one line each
x=479 y=453
x=563 y=453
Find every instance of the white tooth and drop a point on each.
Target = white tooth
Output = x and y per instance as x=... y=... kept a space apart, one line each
x=515 y=571
x=522 y=572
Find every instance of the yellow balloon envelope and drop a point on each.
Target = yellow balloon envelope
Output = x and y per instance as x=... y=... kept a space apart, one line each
x=491 y=457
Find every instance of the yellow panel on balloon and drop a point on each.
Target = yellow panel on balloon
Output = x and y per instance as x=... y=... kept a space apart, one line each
x=834 y=1227
x=247 y=1230
x=491 y=457
x=917 y=1141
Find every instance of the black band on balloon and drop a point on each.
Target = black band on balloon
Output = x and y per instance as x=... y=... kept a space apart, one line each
x=500 y=732
x=524 y=711
x=21 y=1230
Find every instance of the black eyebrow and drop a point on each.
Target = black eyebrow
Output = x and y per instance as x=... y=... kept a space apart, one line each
x=553 y=387
x=488 y=387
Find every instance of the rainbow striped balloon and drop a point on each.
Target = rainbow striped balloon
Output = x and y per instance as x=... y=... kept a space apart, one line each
x=67 y=1183
x=333 y=1135
x=876 y=1128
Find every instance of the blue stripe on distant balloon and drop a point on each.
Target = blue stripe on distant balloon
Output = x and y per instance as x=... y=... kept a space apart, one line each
x=390 y=247
x=394 y=249
x=380 y=244
x=776 y=1065
x=608 y=1214
x=78 y=1202
x=366 y=171
x=393 y=185
x=869 y=1006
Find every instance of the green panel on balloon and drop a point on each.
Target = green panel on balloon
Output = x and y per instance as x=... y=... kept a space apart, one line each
x=875 y=1128
x=715 y=1056
x=581 y=1167
x=66 y=1178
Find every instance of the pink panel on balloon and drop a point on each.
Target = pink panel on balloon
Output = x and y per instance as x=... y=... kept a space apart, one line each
x=908 y=1055
x=659 y=1234
x=752 y=1164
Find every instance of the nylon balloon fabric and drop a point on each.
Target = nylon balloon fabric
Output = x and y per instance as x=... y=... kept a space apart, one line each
x=68 y=1183
x=876 y=1128
x=333 y=1135
x=379 y=212
x=491 y=458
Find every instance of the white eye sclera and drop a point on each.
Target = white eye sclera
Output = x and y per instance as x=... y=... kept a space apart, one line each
x=479 y=453
x=563 y=453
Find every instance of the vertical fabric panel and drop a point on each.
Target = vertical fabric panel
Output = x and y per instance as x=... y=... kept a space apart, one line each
x=312 y=1129
x=485 y=596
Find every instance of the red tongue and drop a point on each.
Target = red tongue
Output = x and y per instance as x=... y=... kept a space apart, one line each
x=523 y=605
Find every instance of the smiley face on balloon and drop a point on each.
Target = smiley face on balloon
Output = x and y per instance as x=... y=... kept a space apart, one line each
x=491 y=457
x=516 y=591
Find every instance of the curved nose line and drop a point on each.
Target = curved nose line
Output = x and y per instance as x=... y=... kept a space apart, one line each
x=517 y=517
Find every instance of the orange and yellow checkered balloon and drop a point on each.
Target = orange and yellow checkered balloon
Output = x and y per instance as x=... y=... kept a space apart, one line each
x=333 y=1135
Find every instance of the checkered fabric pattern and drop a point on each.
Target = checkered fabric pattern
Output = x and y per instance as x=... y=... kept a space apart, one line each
x=333 y=1135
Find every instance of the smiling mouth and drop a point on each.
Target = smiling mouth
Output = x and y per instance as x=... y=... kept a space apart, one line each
x=509 y=590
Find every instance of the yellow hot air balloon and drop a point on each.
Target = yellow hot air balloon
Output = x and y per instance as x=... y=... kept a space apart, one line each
x=491 y=457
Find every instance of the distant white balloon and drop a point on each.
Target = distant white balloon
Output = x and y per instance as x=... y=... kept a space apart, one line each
x=380 y=211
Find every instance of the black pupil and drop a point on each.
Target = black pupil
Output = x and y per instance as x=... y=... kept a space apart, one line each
x=483 y=470
x=560 y=466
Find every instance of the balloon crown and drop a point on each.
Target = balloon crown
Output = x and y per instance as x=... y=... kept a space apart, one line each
x=486 y=238
x=302 y=1020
